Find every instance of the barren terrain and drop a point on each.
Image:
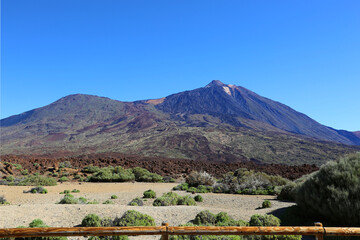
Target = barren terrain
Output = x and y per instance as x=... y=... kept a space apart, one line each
x=27 y=206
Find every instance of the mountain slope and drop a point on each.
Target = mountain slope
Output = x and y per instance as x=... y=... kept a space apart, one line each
x=229 y=102
x=218 y=123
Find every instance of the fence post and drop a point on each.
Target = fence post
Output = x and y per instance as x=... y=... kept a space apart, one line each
x=165 y=236
x=319 y=236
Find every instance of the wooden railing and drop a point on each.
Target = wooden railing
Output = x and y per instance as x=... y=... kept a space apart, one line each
x=165 y=230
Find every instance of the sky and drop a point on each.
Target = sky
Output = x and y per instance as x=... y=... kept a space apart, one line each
x=302 y=53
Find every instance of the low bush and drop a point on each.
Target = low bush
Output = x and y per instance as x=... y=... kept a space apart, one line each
x=114 y=197
x=3 y=200
x=38 y=223
x=143 y=175
x=39 y=189
x=149 y=194
x=75 y=191
x=112 y=174
x=65 y=192
x=92 y=220
x=69 y=199
x=206 y=218
x=168 y=179
x=37 y=180
x=91 y=169
x=266 y=204
x=136 y=202
x=269 y=220
x=134 y=218
x=264 y=220
x=25 y=172
x=333 y=193
x=108 y=202
x=200 y=178
x=198 y=198
x=181 y=187
x=200 y=189
x=171 y=198
x=243 y=181
x=63 y=179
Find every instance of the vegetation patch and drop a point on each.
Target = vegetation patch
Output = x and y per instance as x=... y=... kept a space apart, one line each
x=333 y=193
x=136 y=202
x=266 y=204
x=3 y=201
x=171 y=198
x=38 y=189
x=134 y=218
x=149 y=194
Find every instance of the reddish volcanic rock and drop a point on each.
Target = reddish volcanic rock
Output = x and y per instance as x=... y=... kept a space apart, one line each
x=162 y=166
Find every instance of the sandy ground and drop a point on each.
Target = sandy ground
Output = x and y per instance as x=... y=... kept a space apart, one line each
x=26 y=206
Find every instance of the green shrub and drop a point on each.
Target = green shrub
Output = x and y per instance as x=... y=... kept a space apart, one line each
x=168 y=179
x=266 y=204
x=199 y=178
x=82 y=200
x=243 y=181
x=91 y=220
x=93 y=202
x=10 y=178
x=37 y=223
x=198 y=198
x=69 y=199
x=75 y=191
x=17 y=166
x=200 y=189
x=182 y=187
x=149 y=194
x=269 y=220
x=63 y=179
x=288 y=192
x=205 y=218
x=171 y=198
x=25 y=172
x=33 y=180
x=65 y=164
x=108 y=202
x=264 y=220
x=39 y=189
x=91 y=169
x=136 y=202
x=186 y=200
x=333 y=193
x=111 y=174
x=143 y=175
x=134 y=218
x=3 y=200
x=114 y=197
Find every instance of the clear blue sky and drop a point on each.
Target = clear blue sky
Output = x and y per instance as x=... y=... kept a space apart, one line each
x=303 y=53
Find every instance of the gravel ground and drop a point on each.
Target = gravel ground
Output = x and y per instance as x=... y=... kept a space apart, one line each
x=26 y=206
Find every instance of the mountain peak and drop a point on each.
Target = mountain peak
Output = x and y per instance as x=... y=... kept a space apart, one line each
x=215 y=83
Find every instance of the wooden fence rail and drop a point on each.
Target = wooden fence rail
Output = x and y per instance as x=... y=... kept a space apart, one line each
x=165 y=230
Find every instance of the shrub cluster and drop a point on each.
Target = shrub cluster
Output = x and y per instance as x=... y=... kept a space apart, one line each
x=149 y=194
x=130 y=218
x=266 y=204
x=70 y=199
x=39 y=189
x=134 y=218
x=333 y=193
x=38 y=223
x=119 y=174
x=136 y=202
x=3 y=200
x=198 y=198
x=171 y=198
x=199 y=178
x=37 y=180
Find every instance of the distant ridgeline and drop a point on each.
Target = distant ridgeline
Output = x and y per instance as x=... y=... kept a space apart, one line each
x=218 y=122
